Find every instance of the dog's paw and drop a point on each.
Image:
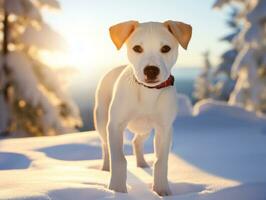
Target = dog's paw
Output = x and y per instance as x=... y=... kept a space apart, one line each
x=143 y=164
x=105 y=168
x=162 y=191
x=118 y=188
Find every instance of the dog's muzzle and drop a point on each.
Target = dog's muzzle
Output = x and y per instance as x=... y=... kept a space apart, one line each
x=169 y=82
x=151 y=73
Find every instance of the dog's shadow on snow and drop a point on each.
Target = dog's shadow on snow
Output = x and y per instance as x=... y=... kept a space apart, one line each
x=77 y=152
x=181 y=188
x=10 y=160
x=136 y=185
x=90 y=151
x=186 y=188
x=72 y=152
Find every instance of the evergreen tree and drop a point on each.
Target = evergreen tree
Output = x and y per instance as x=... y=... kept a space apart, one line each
x=222 y=74
x=247 y=62
x=33 y=101
x=250 y=65
x=203 y=84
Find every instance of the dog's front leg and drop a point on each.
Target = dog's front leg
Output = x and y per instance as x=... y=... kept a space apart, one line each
x=118 y=161
x=162 y=141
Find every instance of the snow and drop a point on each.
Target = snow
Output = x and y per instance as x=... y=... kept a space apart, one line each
x=24 y=8
x=227 y=60
x=258 y=13
x=220 y=3
x=23 y=77
x=252 y=33
x=219 y=153
x=243 y=59
x=230 y=54
x=230 y=37
x=185 y=107
x=34 y=85
x=54 y=4
x=50 y=78
x=33 y=36
x=19 y=64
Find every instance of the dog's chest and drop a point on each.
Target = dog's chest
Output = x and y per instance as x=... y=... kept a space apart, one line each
x=146 y=111
x=147 y=101
x=141 y=125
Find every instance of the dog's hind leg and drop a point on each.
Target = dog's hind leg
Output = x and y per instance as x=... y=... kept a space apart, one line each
x=102 y=101
x=100 y=119
x=105 y=156
x=100 y=116
x=138 y=143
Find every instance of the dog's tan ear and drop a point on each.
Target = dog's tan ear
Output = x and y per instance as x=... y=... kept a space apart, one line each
x=120 y=32
x=181 y=31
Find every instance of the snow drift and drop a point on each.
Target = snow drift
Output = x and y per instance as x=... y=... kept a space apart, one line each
x=217 y=154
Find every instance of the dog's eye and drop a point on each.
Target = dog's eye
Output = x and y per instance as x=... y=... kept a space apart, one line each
x=165 y=49
x=138 y=49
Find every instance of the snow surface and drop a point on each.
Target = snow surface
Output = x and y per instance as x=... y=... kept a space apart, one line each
x=218 y=154
x=185 y=107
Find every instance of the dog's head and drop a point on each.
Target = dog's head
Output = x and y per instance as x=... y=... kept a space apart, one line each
x=152 y=47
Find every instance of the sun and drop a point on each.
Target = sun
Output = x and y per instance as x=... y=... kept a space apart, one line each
x=78 y=52
x=87 y=50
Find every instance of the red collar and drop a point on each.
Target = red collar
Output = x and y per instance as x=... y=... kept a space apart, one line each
x=169 y=82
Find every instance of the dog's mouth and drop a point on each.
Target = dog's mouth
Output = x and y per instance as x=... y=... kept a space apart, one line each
x=151 y=81
x=156 y=83
x=148 y=83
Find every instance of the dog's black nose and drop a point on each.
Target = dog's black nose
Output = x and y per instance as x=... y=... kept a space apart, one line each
x=151 y=72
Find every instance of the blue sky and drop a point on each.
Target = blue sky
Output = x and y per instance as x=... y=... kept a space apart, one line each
x=85 y=25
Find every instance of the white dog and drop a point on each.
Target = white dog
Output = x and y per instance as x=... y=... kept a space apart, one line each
x=140 y=97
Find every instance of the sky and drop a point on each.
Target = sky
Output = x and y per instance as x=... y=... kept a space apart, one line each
x=84 y=24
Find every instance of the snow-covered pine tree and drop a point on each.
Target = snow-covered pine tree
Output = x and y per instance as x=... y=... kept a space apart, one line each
x=203 y=83
x=222 y=74
x=250 y=65
x=33 y=101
